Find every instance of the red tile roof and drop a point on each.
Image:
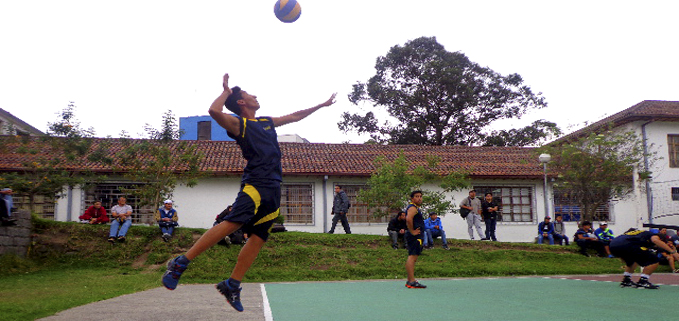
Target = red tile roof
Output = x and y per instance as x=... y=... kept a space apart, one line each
x=647 y=110
x=224 y=158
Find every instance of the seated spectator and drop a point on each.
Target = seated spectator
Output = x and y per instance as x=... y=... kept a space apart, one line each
x=605 y=235
x=586 y=239
x=167 y=218
x=397 y=228
x=237 y=237
x=433 y=229
x=122 y=218
x=560 y=231
x=665 y=257
x=95 y=214
x=6 y=207
x=546 y=229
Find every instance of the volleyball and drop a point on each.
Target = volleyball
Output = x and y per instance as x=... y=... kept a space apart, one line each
x=287 y=10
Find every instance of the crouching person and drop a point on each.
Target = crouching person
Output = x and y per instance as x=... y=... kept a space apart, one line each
x=167 y=218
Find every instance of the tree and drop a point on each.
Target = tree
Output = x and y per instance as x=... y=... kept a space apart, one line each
x=51 y=160
x=435 y=97
x=599 y=167
x=159 y=163
x=390 y=186
x=539 y=131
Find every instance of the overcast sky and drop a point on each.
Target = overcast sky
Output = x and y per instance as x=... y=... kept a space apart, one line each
x=125 y=63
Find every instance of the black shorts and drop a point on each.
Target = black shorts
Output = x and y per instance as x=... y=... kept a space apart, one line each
x=414 y=243
x=256 y=208
x=635 y=254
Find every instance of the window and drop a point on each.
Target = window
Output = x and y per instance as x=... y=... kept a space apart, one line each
x=566 y=204
x=108 y=195
x=516 y=202
x=675 y=193
x=204 y=130
x=43 y=206
x=358 y=212
x=673 y=145
x=297 y=203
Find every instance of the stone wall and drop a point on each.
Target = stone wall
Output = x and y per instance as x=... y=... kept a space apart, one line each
x=16 y=239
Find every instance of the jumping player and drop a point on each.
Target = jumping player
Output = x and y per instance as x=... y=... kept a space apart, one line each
x=633 y=247
x=257 y=203
x=415 y=223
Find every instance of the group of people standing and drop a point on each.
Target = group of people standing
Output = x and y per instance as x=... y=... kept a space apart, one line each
x=485 y=210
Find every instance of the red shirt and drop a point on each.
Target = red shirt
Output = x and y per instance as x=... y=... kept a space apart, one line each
x=92 y=212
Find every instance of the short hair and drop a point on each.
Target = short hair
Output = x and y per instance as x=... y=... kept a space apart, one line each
x=586 y=223
x=401 y=212
x=489 y=193
x=412 y=194
x=122 y=198
x=232 y=101
x=340 y=186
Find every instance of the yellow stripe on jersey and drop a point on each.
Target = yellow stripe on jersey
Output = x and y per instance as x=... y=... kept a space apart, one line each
x=245 y=124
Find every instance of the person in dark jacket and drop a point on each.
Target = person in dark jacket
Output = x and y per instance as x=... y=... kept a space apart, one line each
x=585 y=239
x=397 y=229
x=546 y=229
x=340 y=207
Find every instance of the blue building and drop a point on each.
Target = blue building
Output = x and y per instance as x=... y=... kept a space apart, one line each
x=202 y=128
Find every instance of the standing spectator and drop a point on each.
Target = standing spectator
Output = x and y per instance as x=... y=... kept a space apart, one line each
x=397 y=228
x=6 y=207
x=474 y=218
x=560 y=231
x=489 y=210
x=415 y=223
x=121 y=214
x=633 y=247
x=433 y=229
x=167 y=218
x=605 y=236
x=586 y=239
x=95 y=214
x=340 y=207
x=546 y=229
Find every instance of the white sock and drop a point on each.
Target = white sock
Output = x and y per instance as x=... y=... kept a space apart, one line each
x=645 y=276
x=627 y=274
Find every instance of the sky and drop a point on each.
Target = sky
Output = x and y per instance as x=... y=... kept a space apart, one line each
x=125 y=63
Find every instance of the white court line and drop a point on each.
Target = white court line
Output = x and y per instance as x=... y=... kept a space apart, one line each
x=268 y=316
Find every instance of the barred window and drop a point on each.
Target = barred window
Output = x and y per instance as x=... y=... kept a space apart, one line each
x=675 y=193
x=297 y=203
x=43 y=206
x=515 y=202
x=358 y=212
x=673 y=145
x=567 y=206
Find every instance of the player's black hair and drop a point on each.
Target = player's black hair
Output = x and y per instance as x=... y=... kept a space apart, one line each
x=232 y=101
x=400 y=212
x=491 y=194
x=340 y=186
x=412 y=194
x=586 y=223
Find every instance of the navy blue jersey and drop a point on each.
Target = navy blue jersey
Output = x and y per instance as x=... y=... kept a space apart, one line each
x=259 y=143
x=418 y=220
x=636 y=238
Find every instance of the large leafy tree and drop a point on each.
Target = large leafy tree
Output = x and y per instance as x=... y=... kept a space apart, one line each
x=435 y=97
x=390 y=185
x=535 y=134
x=51 y=161
x=160 y=163
x=599 y=167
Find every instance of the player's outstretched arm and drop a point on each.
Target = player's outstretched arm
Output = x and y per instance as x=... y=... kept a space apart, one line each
x=299 y=115
x=225 y=120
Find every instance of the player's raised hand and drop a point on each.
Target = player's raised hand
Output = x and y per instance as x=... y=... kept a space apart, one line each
x=329 y=101
x=225 y=83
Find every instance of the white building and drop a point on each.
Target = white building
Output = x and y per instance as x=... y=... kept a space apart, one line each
x=513 y=174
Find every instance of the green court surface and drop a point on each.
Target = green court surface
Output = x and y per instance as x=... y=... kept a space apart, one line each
x=532 y=298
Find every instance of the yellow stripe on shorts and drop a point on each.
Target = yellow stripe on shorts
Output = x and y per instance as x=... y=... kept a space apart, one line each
x=254 y=195
x=269 y=217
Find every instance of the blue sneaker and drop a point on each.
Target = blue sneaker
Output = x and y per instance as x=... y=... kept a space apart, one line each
x=232 y=294
x=174 y=272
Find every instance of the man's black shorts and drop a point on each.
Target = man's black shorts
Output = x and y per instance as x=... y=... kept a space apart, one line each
x=635 y=254
x=414 y=243
x=256 y=208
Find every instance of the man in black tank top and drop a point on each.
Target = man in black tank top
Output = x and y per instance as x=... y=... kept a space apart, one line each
x=415 y=223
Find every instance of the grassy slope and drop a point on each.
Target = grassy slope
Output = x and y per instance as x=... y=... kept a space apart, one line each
x=71 y=264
